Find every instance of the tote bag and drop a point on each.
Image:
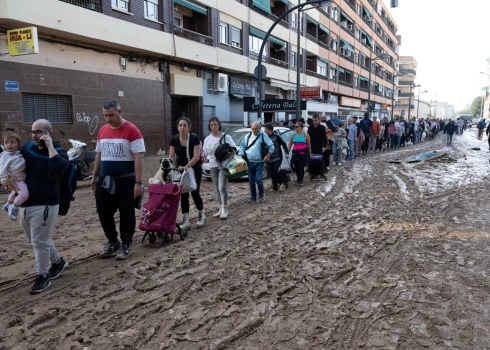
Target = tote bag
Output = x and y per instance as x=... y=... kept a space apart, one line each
x=188 y=178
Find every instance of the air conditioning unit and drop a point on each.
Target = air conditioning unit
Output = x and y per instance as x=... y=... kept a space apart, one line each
x=222 y=82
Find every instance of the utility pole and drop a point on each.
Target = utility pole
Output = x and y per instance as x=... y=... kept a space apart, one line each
x=298 y=64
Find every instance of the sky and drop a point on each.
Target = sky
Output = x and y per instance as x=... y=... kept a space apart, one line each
x=448 y=40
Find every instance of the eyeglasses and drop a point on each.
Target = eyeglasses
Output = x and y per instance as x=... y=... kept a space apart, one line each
x=36 y=132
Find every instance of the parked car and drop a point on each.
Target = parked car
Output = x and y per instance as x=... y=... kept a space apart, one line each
x=238 y=136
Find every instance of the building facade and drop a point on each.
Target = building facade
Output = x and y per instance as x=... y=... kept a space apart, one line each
x=405 y=81
x=162 y=59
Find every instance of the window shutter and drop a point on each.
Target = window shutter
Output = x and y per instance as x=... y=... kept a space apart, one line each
x=55 y=108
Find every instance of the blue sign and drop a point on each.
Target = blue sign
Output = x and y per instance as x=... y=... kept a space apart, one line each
x=12 y=86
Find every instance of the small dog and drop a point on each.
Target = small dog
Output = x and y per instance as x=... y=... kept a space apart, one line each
x=167 y=174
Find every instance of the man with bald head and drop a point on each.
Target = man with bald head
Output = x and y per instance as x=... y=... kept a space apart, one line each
x=45 y=163
x=256 y=148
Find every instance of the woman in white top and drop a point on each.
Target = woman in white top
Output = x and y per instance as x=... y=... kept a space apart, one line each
x=220 y=182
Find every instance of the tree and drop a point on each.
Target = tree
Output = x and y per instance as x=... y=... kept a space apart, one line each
x=476 y=106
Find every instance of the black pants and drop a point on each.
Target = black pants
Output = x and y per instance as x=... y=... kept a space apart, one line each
x=326 y=154
x=107 y=204
x=365 y=144
x=273 y=170
x=184 y=199
x=299 y=167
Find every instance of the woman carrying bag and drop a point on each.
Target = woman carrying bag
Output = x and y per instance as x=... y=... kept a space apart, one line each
x=211 y=143
x=187 y=147
x=300 y=143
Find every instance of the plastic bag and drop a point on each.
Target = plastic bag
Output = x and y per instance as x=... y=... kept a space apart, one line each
x=236 y=168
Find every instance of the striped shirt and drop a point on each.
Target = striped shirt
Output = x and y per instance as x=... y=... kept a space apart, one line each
x=117 y=147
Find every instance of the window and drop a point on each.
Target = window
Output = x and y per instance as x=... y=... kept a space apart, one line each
x=178 y=20
x=345 y=76
x=151 y=9
x=335 y=14
x=55 y=108
x=223 y=33
x=254 y=44
x=358 y=9
x=333 y=43
x=363 y=61
x=356 y=82
x=293 y=59
x=321 y=68
x=333 y=73
x=358 y=33
x=294 y=20
x=235 y=37
x=325 y=8
x=356 y=58
x=121 y=4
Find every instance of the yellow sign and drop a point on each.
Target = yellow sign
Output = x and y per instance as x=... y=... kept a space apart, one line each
x=23 y=41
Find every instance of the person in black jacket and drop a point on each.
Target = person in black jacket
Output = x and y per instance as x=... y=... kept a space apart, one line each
x=274 y=163
x=488 y=134
x=449 y=130
x=45 y=163
x=318 y=136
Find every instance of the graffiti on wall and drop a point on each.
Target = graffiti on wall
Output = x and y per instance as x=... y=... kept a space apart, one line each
x=14 y=116
x=92 y=122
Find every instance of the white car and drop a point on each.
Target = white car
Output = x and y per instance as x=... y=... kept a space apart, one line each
x=238 y=136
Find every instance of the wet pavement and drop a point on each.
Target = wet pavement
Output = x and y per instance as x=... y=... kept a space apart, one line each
x=380 y=255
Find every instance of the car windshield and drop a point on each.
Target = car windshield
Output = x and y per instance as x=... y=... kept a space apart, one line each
x=238 y=137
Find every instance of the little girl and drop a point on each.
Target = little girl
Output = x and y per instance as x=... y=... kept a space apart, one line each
x=13 y=165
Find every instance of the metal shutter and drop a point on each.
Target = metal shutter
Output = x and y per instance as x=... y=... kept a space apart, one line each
x=55 y=108
x=236 y=110
x=207 y=113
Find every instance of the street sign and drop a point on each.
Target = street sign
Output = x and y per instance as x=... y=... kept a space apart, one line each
x=12 y=86
x=22 y=41
x=264 y=72
x=310 y=92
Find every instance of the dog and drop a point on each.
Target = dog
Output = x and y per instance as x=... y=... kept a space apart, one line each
x=167 y=174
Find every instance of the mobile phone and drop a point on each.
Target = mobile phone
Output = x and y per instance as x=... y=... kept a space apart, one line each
x=42 y=143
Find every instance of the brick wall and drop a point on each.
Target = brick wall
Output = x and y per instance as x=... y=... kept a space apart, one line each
x=142 y=104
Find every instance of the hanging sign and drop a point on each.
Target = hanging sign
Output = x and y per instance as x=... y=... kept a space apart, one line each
x=311 y=92
x=23 y=41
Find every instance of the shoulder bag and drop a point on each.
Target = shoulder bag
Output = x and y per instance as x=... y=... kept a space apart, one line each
x=188 y=178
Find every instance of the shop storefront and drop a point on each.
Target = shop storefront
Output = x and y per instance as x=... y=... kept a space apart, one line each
x=349 y=107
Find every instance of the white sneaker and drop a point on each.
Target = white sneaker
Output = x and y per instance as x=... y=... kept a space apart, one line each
x=281 y=188
x=186 y=224
x=201 y=219
x=218 y=214
x=224 y=212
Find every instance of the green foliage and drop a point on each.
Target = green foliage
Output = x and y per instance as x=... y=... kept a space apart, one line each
x=476 y=106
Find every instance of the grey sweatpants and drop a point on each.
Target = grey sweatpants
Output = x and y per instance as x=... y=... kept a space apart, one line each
x=38 y=223
x=220 y=182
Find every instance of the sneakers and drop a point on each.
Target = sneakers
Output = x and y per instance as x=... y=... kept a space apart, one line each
x=281 y=188
x=252 y=200
x=201 y=219
x=42 y=283
x=224 y=212
x=300 y=183
x=218 y=214
x=261 y=197
x=13 y=210
x=186 y=224
x=109 y=249
x=57 y=269
x=124 y=252
x=6 y=207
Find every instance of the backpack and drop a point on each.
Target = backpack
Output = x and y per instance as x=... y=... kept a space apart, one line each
x=481 y=124
x=223 y=151
x=264 y=149
x=68 y=183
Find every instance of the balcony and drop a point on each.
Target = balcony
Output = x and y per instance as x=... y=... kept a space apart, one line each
x=189 y=34
x=316 y=75
x=405 y=82
x=405 y=94
x=276 y=11
x=94 y=5
x=312 y=38
x=269 y=60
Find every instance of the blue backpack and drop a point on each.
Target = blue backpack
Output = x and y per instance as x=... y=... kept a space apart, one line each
x=68 y=183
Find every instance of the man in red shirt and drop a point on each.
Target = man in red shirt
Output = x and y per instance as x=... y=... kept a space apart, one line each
x=375 y=129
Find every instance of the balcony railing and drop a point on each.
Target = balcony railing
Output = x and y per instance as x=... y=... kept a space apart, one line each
x=94 y=5
x=322 y=44
x=345 y=83
x=316 y=75
x=312 y=38
x=189 y=34
x=405 y=82
x=405 y=94
x=270 y=60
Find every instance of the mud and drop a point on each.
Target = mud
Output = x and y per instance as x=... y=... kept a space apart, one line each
x=381 y=255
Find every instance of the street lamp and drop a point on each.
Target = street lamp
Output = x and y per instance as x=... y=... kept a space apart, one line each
x=418 y=100
x=410 y=99
x=383 y=56
x=483 y=98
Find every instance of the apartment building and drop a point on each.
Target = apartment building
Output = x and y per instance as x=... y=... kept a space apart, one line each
x=405 y=82
x=162 y=59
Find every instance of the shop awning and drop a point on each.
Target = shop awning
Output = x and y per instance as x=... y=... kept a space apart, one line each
x=347 y=45
x=236 y=97
x=283 y=84
x=258 y=33
x=341 y=70
x=325 y=29
x=309 y=19
x=193 y=6
x=364 y=79
x=323 y=60
x=348 y=71
x=332 y=67
x=345 y=15
x=285 y=1
x=264 y=5
x=277 y=41
x=368 y=14
x=363 y=55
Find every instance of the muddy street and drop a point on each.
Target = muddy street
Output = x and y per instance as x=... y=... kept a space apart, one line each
x=381 y=255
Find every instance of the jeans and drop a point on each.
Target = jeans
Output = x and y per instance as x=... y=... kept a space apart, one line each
x=460 y=130
x=449 y=138
x=365 y=144
x=392 y=141
x=220 y=185
x=299 y=161
x=107 y=204
x=255 y=176
x=273 y=169
x=419 y=136
x=373 y=142
x=398 y=140
x=350 y=154
x=337 y=153
x=38 y=223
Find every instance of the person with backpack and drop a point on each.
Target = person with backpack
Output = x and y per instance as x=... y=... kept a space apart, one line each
x=481 y=126
x=274 y=163
x=217 y=148
x=46 y=163
x=118 y=179
x=449 y=130
x=256 y=148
